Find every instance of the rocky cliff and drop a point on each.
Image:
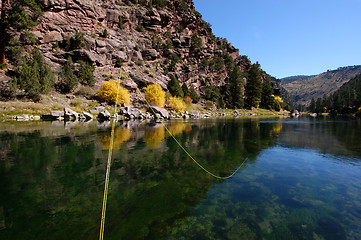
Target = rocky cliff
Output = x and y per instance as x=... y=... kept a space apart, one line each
x=150 y=39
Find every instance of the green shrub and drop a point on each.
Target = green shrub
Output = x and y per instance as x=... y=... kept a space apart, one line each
x=74 y=42
x=196 y=42
x=86 y=73
x=35 y=77
x=67 y=79
x=119 y=63
x=120 y=22
x=15 y=53
x=140 y=28
x=105 y=33
x=8 y=92
x=219 y=64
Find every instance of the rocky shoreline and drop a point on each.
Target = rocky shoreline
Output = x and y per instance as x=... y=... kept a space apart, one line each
x=126 y=113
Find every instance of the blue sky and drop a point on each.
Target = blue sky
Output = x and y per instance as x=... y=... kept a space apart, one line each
x=289 y=37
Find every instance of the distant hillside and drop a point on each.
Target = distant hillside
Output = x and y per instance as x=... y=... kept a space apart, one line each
x=303 y=89
x=295 y=78
x=346 y=100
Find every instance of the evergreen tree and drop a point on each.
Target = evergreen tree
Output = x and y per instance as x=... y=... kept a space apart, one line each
x=14 y=15
x=253 y=88
x=193 y=94
x=68 y=80
x=35 y=77
x=319 y=107
x=86 y=75
x=235 y=88
x=267 y=98
x=185 y=90
x=174 y=87
x=312 y=107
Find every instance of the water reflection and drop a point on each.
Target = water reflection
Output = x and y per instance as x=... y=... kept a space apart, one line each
x=121 y=135
x=51 y=180
x=154 y=136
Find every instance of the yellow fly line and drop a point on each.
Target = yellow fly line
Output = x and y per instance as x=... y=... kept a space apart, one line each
x=110 y=152
x=106 y=185
x=180 y=145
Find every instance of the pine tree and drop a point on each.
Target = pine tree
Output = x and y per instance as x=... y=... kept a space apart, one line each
x=235 y=88
x=185 y=90
x=15 y=16
x=193 y=94
x=312 y=107
x=319 y=107
x=68 y=80
x=253 y=88
x=35 y=76
x=267 y=98
x=174 y=87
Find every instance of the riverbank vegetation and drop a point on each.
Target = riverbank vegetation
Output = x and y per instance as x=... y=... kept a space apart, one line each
x=346 y=100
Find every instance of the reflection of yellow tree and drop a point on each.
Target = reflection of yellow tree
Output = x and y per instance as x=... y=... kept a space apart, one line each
x=176 y=128
x=120 y=135
x=276 y=129
x=153 y=137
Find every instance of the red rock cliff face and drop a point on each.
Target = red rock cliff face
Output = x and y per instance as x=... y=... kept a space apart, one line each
x=151 y=41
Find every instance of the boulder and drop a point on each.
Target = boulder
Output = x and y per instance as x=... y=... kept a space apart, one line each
x=194 y=114
x=136 y=56
x=120 y=55
x=130 y=112
x=100 y=43
x=161 y=111
x=87 y=116
x=104 y=115
x=70 y=114
x=116 y=44
x=57 y=114
x=150 y=54
x=52 y=37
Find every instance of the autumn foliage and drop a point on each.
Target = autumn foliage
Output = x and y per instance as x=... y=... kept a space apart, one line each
x=154 y=94
x=108 y=92
x=176 y=104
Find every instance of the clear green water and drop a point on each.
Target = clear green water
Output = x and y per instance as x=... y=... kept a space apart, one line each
x=302 y=180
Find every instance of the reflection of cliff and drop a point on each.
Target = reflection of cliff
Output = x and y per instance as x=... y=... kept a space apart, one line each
x=54 y=186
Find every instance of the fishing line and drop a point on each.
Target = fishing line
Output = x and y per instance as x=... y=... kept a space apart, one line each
x=179 y=144
x=110 y=152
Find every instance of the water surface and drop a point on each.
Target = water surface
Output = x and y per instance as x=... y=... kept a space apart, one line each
x=301 y=180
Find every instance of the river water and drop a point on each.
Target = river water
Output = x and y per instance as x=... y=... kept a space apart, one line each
x=301 y=180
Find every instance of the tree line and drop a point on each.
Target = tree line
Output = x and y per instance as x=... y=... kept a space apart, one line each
x=250 y=89
x=347 y=99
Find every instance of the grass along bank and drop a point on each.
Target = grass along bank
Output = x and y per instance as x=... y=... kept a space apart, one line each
x=48 y=103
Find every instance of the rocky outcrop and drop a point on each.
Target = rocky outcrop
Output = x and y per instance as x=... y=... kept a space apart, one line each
x=150 y=42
